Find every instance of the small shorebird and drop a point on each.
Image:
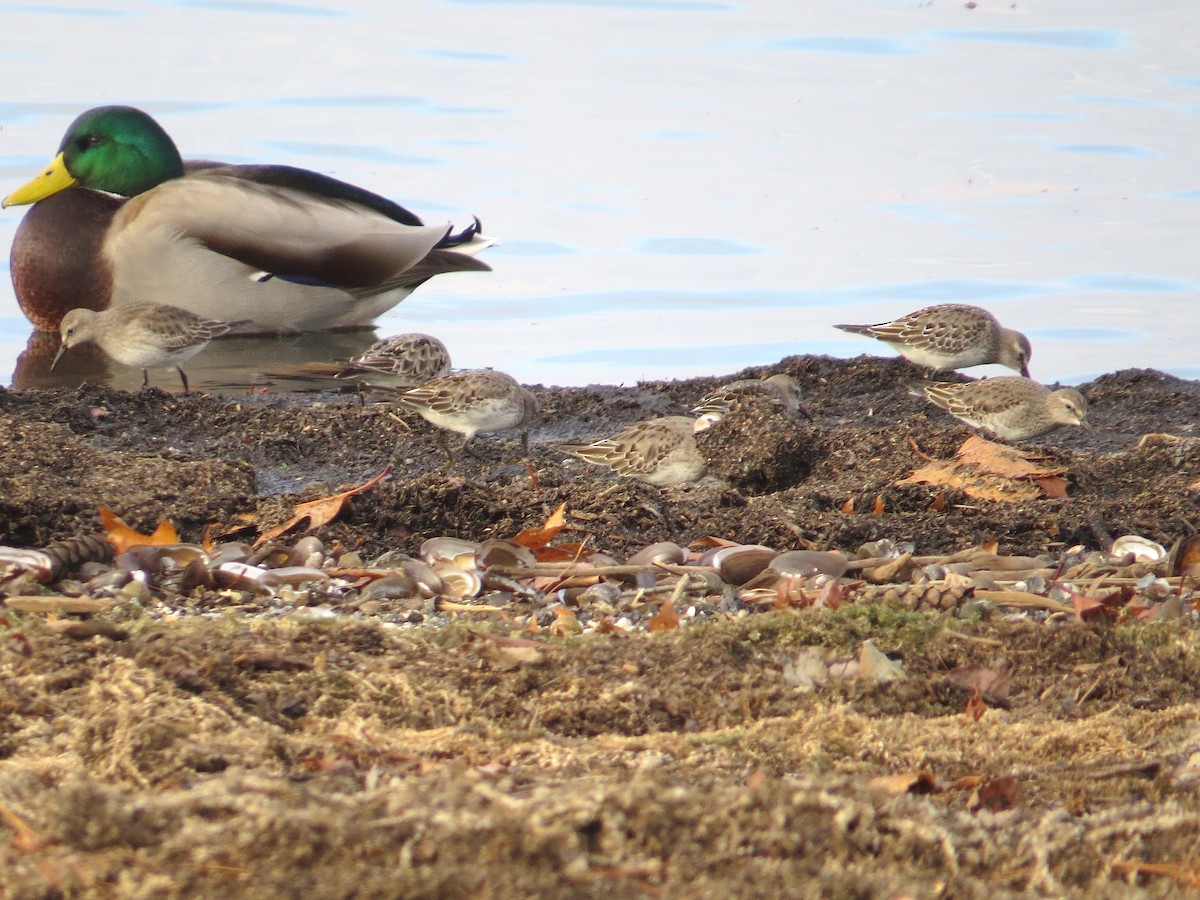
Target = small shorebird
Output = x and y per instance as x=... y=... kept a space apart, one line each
x=658 y=451
x=782 y=389
x=472 y=402
x=1011 y=407
x=146 y=335
x=951 y=336
x=400 y=361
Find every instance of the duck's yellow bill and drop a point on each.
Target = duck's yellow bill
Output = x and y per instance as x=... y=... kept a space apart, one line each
x=51 y=181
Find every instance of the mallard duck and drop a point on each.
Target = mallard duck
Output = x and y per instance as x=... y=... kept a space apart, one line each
x=120 y=218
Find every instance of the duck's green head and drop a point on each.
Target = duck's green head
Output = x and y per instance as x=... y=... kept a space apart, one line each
x=117 y=149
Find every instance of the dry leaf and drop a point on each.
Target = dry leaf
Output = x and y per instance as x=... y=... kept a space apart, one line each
x=879 y=507
x=1090 y=606
x=1186 y=875
x=320 y=512
x=985 y=470
x=708 y=543
x=939 y=502
x=991 y=683
x=975 y=706
x=122 y=537
x=921 y=782
x=806 y=669
x=875 y=667
x=666 y=619
x=848 y=507
x=565 y=622
x=536 y=538
x=997 y=795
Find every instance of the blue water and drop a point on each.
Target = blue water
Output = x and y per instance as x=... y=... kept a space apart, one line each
x=690 y=187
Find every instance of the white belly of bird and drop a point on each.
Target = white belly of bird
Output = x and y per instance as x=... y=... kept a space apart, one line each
x=482 y=417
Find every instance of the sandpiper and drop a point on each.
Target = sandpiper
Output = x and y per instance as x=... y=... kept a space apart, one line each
x=952 y=336
x=658 y=451
x=146 y=335
x=401 y=361
x=472 y=402
x=781 y=389
x=1011 y=407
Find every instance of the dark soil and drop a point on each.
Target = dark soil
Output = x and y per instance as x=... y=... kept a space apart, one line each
x=240 y=751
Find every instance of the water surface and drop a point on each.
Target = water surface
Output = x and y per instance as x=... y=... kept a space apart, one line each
x=684 y=188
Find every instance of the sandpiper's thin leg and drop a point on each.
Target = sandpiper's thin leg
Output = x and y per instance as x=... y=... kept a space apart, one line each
x=183 y=378
x=145 y=378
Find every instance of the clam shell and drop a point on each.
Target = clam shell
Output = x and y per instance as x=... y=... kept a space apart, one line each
x=429 y=582
x=308 y=551
x=809 y=562
x=195 y=574
x=505 y=554
x=397 y=586
x=738 y=565
x=241 y=576
x=294 y=575
x=232 y=551
x=39 y=564
x=1143 y=549
x=158 y=559
x=457 y=581
x=662 y=552
x=449 y=549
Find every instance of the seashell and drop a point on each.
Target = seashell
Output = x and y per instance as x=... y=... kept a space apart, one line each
x=429 y=583
x=504 y=554
x=308 y=551
x=14 y=560
x=195 y=574
x=457 y=581
x=602 y=559
x=738 y=565
x=112 y=580
x=232 y=551
x=89 y=570
x=294 y=575
x=663 y=551
x=809 y=562
x=1142 y=549
x=349 y=559
x=242 y=576
x=399 y=585
x=160 y=559
x=604 y=592
x=646 y=578
x=393 y=559
x=1153 y=588
x=508 y=585
x=448 y=549
x=884 y=549
x=269 y=555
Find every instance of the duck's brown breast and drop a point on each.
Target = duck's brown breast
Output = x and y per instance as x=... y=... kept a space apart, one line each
x=56 y=261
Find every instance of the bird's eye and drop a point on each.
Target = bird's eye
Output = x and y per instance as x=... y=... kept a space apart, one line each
x=88 y=141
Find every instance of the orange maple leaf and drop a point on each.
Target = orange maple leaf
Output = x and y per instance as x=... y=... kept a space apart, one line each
x=320 y=512
x=122 y=537
x=665 y=619
x=536 y=538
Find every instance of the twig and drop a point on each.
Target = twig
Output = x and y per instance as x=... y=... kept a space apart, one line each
x=1024 y=600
